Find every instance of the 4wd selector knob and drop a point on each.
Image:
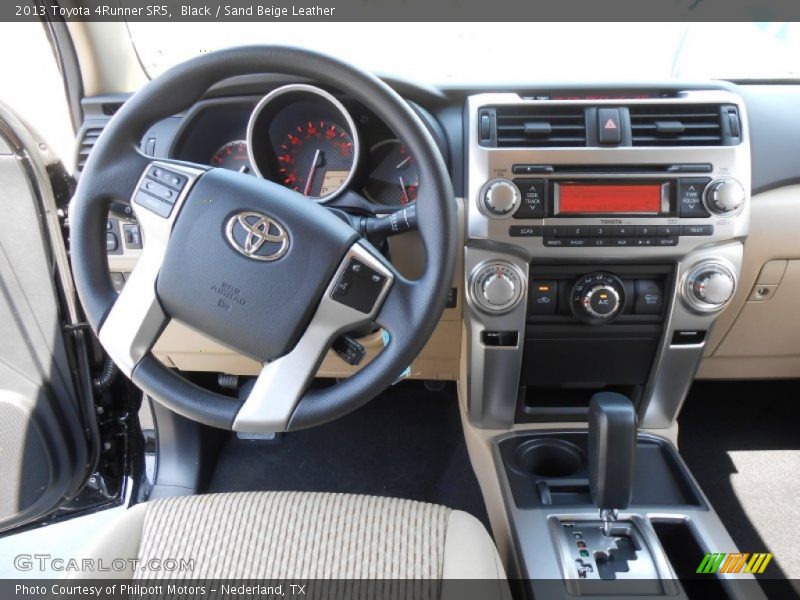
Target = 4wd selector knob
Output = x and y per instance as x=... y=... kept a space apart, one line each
x=500 y=198
x=724 y=196
x=597 y=297
x=497 y=286
x=709 y=286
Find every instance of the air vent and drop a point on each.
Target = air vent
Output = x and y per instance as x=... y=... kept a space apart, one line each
x=679 y=125
x=540 y=126
x=88 y=139
x=111 y=108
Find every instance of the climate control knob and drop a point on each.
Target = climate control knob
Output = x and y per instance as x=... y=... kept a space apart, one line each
x=724 y=196
x=500 y=198
x=597 y=298
x=709 y=287
x=497 y=287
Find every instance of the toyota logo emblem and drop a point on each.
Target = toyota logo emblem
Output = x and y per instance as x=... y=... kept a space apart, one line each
x=257 y=236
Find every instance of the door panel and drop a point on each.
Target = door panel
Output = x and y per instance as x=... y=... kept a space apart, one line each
x=43 y=446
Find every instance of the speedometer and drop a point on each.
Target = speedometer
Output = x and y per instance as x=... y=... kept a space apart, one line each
x=303 y=137
x=316 y=158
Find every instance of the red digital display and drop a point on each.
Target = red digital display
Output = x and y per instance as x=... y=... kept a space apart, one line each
x=575 y=198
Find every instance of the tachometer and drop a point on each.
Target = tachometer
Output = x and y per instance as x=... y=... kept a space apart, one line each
x=316 y=158
x=393 y=179
x=233 y=156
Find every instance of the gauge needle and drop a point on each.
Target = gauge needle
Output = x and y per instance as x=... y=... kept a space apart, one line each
x=406 y=160
x=244 y=169
x=310 y=180
x=404 y=200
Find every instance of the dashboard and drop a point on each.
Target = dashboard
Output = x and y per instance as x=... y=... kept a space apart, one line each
x=537 y=221
x=308 y=140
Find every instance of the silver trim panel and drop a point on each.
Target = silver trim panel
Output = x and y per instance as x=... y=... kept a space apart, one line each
x=282 y=382
x=136 y=320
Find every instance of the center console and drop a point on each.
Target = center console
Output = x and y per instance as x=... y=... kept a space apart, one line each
x=604 y=237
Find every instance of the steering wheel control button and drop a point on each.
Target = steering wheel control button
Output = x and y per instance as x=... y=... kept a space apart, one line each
x=349 y=350
x=532 y=198
x=542 y=298
x=690 y=197
x=500 y=198
x=597 y=298
x=359 y=286
x=497 y=287
x=174 y=180
x=112 y=244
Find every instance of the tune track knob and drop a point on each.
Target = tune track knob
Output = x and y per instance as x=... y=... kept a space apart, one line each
x=500 y=198
x=709 y=287
x=497 y=287
x=724 y=196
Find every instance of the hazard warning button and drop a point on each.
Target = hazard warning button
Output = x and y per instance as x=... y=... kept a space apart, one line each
x=608 y=126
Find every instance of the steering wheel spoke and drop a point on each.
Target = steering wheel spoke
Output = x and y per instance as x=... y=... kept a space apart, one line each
x=136 y=319
x=353 y=297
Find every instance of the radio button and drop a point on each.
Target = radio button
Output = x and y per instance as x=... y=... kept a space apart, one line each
x=525 y=231
x=668 y=230
x=622 y=230
x=555 y=230
x=532 y=201
x=554 y=242
x=690 y=197
x=644 y=230
x=578 y=230
x=620 y=241
x=601 y=231
x=578 y=242
x=697 y=230
x=644 y=241
x=667 y=241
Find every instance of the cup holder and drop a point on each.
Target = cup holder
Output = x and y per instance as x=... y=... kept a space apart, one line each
x=549 y=458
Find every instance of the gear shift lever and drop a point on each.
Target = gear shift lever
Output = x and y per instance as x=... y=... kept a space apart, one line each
x=612 y=453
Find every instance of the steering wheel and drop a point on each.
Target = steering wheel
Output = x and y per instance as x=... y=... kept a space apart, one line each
x=251 y=264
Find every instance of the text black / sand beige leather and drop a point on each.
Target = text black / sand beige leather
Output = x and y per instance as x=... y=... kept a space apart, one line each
x=282 y=535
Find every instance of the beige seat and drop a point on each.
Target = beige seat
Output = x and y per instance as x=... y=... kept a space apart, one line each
x=296 y=535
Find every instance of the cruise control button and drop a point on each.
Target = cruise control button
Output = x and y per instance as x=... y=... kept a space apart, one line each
x=697 y=230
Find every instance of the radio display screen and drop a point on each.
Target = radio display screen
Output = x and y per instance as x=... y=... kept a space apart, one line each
x=581 y=198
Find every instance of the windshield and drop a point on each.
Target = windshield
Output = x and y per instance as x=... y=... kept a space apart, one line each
x=505 y=53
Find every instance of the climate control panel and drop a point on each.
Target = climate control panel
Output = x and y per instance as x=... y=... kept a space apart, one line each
x=497 y=286
x=597 y=298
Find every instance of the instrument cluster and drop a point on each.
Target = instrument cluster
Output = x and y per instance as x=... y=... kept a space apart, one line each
x=306 y=139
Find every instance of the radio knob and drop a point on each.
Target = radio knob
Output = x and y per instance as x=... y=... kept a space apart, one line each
x=597 y=298
x=710 y=286
x=497 y=287
x=724 y=196
x=500 y=197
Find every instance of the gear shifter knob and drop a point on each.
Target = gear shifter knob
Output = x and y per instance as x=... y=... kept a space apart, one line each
x=612 y=450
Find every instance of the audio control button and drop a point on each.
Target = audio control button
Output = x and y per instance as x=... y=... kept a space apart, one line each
x=690 y=197
x=554 y=242
x=500 y=198
x=525 y=231
x=697 y=230
x=532 y=198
